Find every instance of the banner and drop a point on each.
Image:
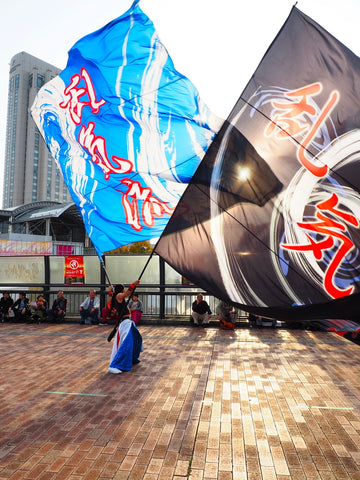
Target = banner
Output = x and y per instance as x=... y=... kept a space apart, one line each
x=19 y=247
x=271 y=218
x=126 y=129
x=74 y=270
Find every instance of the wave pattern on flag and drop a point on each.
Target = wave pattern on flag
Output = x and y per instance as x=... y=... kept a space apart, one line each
x=270 y=220
x=126 y=129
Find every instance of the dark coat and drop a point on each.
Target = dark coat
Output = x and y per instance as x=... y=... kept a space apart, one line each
x=5 y=304
x=201 y=307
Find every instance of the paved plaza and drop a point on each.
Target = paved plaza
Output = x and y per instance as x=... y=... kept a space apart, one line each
x=203 y=404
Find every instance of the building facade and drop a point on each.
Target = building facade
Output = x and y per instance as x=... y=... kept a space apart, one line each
x=45 y=228
x=30 y=172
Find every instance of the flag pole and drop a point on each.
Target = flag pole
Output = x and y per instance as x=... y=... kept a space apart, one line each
x=102 y=263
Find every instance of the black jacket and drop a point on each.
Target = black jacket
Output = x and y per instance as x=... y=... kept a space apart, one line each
x=201 y=307
x=59 y=304
x=5 y=304
x=16 y=305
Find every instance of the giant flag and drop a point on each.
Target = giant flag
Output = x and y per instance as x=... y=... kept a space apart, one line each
x=270 y=221
x=126 y=129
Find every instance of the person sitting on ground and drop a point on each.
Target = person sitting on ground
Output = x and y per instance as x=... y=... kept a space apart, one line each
x=226 y=315
x=39 y=310
x=135 y=307
x=108 y=312
x=21 y=308
x=58 y=310
x=201 y=311
x=6 y=302
x=89 y=309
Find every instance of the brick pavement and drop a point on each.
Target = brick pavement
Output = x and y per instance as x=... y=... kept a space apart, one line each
x=203 y=404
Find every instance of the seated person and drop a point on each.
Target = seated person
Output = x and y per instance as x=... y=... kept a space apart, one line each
x=226 y=315
x=89 y=309
x=6 y=303
x=21 y=308
x=39 y=310
x=135 y=307
x=58 y=310
x=108 y=312
x=200 y=311
x=260 y=321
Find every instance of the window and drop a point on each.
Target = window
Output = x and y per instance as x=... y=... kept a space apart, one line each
x=35 y=167
x=40 y=80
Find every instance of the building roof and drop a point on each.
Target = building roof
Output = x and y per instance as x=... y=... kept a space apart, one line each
x=40 y=211
x=54 y=211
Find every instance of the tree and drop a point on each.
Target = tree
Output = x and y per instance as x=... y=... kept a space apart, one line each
x=143 y=247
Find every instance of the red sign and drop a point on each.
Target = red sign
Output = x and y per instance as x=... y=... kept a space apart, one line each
x=74 y=270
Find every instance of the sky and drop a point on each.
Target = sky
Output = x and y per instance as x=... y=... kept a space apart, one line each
x=217 y=45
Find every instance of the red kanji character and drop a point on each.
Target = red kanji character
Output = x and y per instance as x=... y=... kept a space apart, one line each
x=289 y=122
x=96 y=146
x=152 y=207
x=73 y=104
x=331 y=229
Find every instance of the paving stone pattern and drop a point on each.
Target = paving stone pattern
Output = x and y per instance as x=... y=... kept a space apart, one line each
x=203 y=404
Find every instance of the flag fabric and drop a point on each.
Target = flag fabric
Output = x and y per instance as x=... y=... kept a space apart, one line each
x=127 y=347
x=270 y=220
x=126 y=129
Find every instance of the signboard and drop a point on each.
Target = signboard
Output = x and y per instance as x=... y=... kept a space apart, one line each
x=74 y=270
x=21 y=248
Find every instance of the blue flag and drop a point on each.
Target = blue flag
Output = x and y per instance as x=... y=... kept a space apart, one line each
x=126 y=129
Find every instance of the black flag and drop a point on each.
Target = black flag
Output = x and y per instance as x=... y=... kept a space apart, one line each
x=271 y=218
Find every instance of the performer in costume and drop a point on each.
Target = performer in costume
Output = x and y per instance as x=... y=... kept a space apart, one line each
x=128 y=341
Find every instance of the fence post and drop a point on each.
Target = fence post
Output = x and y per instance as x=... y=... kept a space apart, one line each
x=102 y=288
x=47 y=278
x=162 y=287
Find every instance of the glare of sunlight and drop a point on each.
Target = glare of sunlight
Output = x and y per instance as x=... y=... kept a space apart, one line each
x=244 y=174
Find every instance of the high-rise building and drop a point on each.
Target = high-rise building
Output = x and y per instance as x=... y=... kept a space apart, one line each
x=31 y=173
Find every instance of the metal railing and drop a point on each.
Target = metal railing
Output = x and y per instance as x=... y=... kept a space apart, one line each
x=158 y=300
